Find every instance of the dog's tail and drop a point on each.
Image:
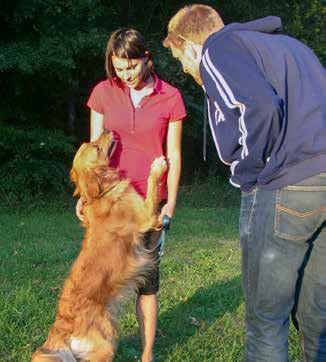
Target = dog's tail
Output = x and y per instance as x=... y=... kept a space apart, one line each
x=46 y=355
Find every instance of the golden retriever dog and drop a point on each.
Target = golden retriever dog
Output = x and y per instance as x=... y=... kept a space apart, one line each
x=112 y=259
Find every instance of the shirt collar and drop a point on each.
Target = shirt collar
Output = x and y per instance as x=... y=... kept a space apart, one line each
x=157 y=88
x=157 y=84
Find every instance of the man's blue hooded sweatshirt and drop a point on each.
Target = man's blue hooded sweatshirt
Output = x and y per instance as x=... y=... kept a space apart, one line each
x=266 y=96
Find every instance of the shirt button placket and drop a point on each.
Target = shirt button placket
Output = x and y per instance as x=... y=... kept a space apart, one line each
x=132 y=130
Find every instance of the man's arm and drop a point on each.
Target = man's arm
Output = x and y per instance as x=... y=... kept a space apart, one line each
x=245 y=112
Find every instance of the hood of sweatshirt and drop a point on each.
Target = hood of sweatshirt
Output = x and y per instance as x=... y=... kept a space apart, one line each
x=269 y=25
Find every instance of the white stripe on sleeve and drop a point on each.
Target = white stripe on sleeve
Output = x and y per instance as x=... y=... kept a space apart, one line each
x=229 y=99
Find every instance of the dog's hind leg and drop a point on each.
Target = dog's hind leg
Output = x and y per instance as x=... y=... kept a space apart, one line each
x=93 y=347
x=103 y=349
x=46 y=355
x=99 y=343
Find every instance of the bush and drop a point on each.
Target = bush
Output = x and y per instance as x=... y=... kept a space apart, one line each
x=34 y=162
x=211 y=191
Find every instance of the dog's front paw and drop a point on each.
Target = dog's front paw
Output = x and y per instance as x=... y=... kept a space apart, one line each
x=159 y=166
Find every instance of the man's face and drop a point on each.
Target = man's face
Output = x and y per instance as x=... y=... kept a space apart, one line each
x=190 y=61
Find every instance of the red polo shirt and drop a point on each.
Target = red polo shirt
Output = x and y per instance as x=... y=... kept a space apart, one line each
x=141 y=131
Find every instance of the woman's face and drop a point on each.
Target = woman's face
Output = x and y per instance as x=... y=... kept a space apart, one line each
x=130 y=71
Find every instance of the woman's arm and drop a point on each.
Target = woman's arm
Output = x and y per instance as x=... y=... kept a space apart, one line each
x=174 y=162
x=97 y=125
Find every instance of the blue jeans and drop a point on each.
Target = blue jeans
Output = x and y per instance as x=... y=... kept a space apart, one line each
x=283 y=240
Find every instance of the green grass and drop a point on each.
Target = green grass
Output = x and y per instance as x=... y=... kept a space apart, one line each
x=201 y=302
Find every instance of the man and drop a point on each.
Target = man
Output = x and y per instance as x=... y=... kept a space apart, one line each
x=266 y=97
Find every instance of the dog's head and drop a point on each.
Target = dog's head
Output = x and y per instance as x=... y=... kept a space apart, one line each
x=90 y=166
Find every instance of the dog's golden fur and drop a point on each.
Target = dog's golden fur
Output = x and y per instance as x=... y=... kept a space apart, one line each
x=112 y=258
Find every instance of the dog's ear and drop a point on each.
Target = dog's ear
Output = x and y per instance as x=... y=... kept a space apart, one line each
x=90 y=184
x=74 y=179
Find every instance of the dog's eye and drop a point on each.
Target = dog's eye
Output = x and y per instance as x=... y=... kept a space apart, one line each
x=97 y=147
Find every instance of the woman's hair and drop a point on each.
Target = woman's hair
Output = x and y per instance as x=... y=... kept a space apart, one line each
x=128 y=44
x=193 y=22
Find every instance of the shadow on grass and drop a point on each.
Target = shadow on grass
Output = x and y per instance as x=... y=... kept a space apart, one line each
x=197 y=313
x=189 y=317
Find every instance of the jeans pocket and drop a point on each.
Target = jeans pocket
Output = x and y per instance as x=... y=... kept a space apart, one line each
x=300 y=210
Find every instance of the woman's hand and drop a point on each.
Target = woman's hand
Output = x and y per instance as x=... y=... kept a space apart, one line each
x=167 y=209
x=79 y=209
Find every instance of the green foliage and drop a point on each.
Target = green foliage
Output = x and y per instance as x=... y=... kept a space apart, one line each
x=49 y=53
x=209 y=191
x=53 y=36
x=52 y=53
x=33 y=162
x=306 y=21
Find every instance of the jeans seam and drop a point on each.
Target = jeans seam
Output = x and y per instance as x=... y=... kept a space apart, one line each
x=248 y=236
x=276 y=217
x=251 y=212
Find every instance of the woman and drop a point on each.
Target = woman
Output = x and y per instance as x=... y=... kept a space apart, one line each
x=145 y=113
